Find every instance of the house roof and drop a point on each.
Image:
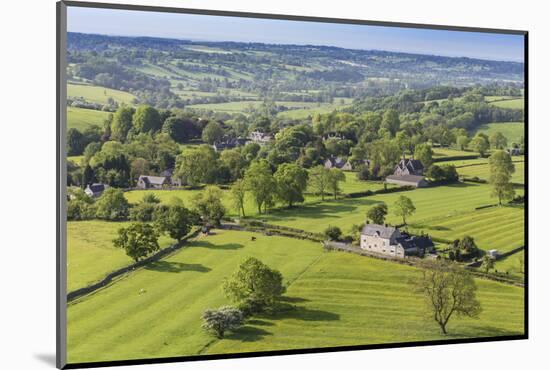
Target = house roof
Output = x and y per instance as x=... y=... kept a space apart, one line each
x=382 y=231
x=406 y=178
x=155 y=180
x=167 y=173
x=408 y=242
x=337 y=162
x=96 y=188
x=411 y=164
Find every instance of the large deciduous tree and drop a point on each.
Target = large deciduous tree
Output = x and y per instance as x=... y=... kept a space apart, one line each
x=448 y=290
x=146 y=119
x=221 y=320
x=112 y=205
x=319 y=179
x=176 y=221
x=208 y=205
x=404 y=208
x=378 y=213
x=291 y=182
x=139 y=240
x=261 y=184
x=212 y=132
x=238 y=196
x=335 y=177
x=122 y=123
x=501 y=169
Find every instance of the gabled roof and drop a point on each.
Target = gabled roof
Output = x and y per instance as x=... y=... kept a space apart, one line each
x=337 y=162
x=409 y=242
x=382 y=231
x=155 y=180
x=407 y=178
x=411 y=164
x=167 y=172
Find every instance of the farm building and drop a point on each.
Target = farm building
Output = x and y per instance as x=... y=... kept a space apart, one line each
x=95 y=190
x=514 y=151
x=407 y=180
x=409 y=167
x=391 y=241
x=260 y=137
x=152 y=182
x=169 y=174
x=228 y=144
x=335 y=162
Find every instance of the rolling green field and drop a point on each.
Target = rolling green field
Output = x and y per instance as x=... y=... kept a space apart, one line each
x=91 y=254
x=81 y=118
x=480 y=168
x=338 y=299
x=445 y=211
x=511 y=264
x=509 y=103
x=513 y=131
x=98 y=94
x=447 y=152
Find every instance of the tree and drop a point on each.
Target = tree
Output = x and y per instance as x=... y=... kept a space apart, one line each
x=75 y=142
x=254 y=285
x=498 y=140
x=318 y=180
x=448 y=289
x=176 y=221
x=291 y=182
x=208 y=205
x=138 y=240
x=480 y=144
x=122 y=123
x=198 y=165
x=261 y=184
x=487 y=263
x=468 y=245
x=212 y=132
x=238 y=194
x=146 y=119
x=424 y=153
x=462 y=141
x=235 y=162
x=390 y=121
x=501 y=169
x=404 y=207
x=335 y=177
x=377 y=214
x=221 y=320
x=112 y=205
x=333 y=233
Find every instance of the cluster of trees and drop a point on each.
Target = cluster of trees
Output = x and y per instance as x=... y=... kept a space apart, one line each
x=464 y=249
x=253 y=288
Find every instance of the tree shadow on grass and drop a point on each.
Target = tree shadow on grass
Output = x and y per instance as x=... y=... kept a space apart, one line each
x=205 y=244
x=429 y=227
x=248 y=333
x=289 y=311
x=316 y=211
x=480 y=332
x=259 y=322
x=170 y=266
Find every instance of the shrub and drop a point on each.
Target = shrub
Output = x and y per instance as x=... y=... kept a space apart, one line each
x=221 y=320
x=142 y=212
x=333 y=233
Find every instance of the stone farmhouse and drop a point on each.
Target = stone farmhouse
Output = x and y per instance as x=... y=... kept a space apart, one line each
x=228 y=143
x=95 y=190
x=390 y=241
x=153 y=182
x=335 y=162
x=408 y=172
x=260 y=137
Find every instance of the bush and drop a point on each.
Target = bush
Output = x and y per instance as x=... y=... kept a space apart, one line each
x=80 y=210
x=142 y=212
x=333 y=233
x=221 y=320
x=112 y=205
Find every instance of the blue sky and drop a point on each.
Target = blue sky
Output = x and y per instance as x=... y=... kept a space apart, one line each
x=215 y=28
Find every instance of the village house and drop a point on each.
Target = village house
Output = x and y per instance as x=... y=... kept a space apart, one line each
x=169 y=174
x=409 y=167
x=335 y=162
x=389 y=240
x=514 y=151
x=228 y=143
x=152 y=182
x=95 y=190
x=350 y=166
x=260 y=137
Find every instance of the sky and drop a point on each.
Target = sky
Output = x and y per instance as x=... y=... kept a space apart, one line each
x=216 y=28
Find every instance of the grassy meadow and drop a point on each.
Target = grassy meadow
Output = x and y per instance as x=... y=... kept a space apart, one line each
x=338 y=299
x=513 y=131
x=510 y=103
x=511 y=264
x=81 y=118
x=91 y=254
x=98 y=94
x=480 y=168
x=445 y=211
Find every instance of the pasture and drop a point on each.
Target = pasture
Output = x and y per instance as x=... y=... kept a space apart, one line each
x=448 y=152
x=332 y=299
x=480 y=168
x=91 y=254
x=445 y=211
x=512 y=264
x=513 y=131
x=509 y=103
x=81 y=118
x=98 y=94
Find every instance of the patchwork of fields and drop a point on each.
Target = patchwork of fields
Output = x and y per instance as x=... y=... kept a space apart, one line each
x=513 y=131
x=98 y=94
x=338 y=299
x=480 y=168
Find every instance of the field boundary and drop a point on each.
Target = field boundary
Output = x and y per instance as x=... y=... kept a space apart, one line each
x=71 y=296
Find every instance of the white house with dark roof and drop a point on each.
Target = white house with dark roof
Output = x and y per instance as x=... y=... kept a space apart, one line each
x=390 y=241
x=95 y=190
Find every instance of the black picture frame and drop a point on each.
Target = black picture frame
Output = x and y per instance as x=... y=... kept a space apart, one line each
x=61 y=196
